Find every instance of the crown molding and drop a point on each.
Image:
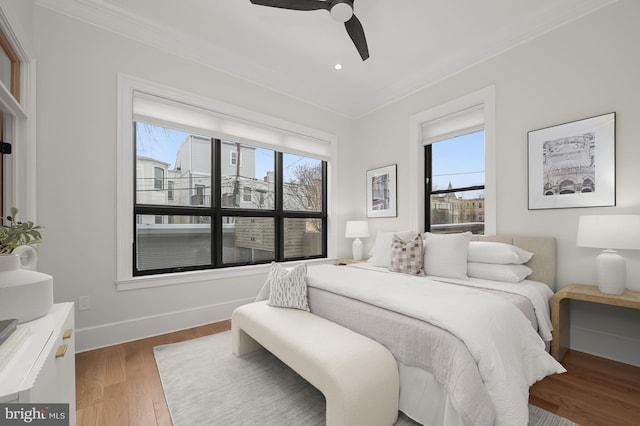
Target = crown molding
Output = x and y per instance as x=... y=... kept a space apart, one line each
x=136 y=28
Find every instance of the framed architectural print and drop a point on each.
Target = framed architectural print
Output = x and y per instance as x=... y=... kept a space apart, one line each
x=573 y=164
x=381 y=192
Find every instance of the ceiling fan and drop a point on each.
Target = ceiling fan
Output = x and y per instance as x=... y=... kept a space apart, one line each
x=340 y=10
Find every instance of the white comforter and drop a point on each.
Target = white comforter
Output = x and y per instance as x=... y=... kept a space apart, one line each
x=538 y=294
x=509 y=353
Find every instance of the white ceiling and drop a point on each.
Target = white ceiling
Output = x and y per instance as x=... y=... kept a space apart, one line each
x=413 y=43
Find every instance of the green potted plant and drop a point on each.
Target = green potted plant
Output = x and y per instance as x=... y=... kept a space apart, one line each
x=14 y=233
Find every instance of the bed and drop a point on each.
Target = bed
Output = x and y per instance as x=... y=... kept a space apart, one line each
x=468 y=349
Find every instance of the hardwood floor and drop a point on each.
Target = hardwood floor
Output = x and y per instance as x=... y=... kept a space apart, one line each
x=593 y=391
x=120 y=386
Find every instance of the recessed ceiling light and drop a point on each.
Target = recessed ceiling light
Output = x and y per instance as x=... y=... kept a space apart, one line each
x=338 y=66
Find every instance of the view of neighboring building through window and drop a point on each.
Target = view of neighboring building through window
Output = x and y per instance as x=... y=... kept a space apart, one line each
x=222 y=203
x=455 y=184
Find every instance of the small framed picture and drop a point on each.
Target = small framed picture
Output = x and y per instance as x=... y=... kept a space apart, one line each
x=381 y=192
x=573 y=164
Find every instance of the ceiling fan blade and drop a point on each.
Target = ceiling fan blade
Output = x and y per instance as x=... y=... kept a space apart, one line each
x=295 y=4
x=356 y=32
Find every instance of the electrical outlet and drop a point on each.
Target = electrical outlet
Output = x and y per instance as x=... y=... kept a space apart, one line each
x=84 y=303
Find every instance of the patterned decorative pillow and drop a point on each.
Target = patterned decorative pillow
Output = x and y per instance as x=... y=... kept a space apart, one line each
x=381 y=251
x=288 y=287
x=407 y=257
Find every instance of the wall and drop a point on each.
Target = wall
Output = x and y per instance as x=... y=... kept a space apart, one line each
x=76 y=162
x=586 y=68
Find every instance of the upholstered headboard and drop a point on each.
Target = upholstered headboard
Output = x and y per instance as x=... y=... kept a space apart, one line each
x=543 y=263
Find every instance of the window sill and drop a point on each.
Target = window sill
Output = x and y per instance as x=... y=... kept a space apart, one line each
x=137 y=283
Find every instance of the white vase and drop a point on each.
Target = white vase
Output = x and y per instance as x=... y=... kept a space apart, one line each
x=24 y=294
x=28 y=257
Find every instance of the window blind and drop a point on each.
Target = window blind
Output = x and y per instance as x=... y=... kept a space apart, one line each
x=452 y=125
x=202 y=121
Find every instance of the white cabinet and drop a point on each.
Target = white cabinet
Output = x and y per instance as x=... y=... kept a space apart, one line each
x=43 y=369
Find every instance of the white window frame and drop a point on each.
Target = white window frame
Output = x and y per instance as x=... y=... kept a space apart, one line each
x=484 y=97
x=19 y=171
x=127 y=85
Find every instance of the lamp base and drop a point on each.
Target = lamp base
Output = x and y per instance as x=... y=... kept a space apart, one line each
x=612 y=272
x=357 y=249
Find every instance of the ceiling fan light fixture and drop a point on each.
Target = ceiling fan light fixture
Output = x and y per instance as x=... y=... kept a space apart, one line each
x=341 y=11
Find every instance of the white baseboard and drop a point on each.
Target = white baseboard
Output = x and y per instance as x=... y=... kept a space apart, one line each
x=126 y=331
x=605 y=345
x=594 y=342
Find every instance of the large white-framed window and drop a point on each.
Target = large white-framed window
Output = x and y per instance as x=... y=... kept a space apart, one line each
x=142 y=101
x=461 y=116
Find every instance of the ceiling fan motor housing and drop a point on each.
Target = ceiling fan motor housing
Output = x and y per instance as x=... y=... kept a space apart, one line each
x=341 y=10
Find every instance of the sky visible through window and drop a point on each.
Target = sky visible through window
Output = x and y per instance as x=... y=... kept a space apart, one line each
x=459 y=161
x=162 y=144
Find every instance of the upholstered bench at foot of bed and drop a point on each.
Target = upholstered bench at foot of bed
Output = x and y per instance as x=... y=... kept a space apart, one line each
x=357 y=375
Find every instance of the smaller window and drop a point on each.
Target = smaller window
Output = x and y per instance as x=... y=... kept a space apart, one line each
x=198 y=197
x=303 y=180
x=246 y=194
x=234 y=158
x=170 y=190
x=248 y=240
x=185 y=243
x=158 y=178
x=302 y=237
x=257 y=174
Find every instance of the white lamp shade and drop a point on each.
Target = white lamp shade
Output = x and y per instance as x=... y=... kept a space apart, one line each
x=357 y=229
x=609 y=231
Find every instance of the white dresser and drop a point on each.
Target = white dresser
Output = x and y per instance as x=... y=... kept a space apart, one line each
x=43 y=368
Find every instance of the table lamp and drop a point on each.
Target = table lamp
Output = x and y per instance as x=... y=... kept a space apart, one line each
x=357 y=229
x=610 y=232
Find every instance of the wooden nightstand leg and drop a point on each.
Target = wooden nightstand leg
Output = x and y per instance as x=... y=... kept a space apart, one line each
x=561 y=319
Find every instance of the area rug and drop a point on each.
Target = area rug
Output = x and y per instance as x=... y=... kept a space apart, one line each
x=205 y=384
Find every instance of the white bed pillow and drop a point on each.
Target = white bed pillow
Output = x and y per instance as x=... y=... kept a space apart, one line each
x=445 y=255
x=500 y=253
x=288 y=287
x=381 y=251
x=497 y=272
x=407 y=257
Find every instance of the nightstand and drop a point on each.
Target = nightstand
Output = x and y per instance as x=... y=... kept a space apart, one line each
x=343 y=262
x=560 y=310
